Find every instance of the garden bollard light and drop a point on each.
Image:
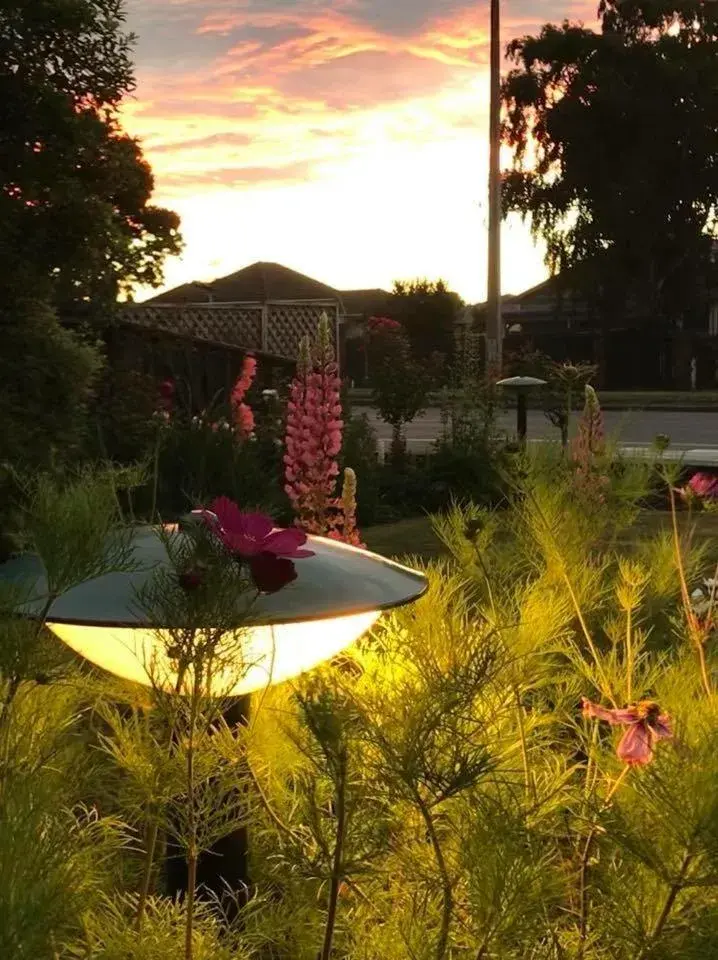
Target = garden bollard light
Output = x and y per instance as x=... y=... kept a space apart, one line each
x=338 y=594
x=521 y=387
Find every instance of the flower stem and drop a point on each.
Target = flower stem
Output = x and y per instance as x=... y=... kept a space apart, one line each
x=191 y=823
x=629 y=655
x=446 y=889
x=336 y=877
x=150 y=845
x=690 y=616
x=530 y=785
x=668 y=904
x=583 y=870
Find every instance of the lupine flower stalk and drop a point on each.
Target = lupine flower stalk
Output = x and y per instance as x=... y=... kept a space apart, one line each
x=241 y=412
x=345 y=522
x=589 y=447
x=314 y=433
x=164 y=407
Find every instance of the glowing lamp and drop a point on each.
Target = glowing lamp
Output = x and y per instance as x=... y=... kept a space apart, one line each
x=521 y=387
x=338 y=594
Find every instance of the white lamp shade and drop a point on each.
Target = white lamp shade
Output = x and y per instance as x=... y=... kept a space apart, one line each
x=338 y=594
x=248 y=661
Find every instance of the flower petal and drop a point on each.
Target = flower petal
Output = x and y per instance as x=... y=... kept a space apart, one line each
x=628 y=715
x=228 y=513
x=287 y=543
x=270 y=573
x=635 y=746
x=256 y=526
x=211 y=519
x=661 y=728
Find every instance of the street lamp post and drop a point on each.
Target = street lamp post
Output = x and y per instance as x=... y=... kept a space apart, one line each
x=494 y=322
x=521 y=386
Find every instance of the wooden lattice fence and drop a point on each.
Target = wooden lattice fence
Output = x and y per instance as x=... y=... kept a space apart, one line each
x=274 y=328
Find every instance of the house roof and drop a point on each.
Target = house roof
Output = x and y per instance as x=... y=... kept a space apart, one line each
x=257 y=283
x=365 y=302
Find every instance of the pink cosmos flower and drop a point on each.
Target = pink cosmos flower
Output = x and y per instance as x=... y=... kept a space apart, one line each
x=645 y=726
x=704 y=486
x=246 y=535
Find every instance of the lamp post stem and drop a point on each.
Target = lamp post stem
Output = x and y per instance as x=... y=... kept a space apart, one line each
x=223 y=869
x=494 y=323
x=521 y=406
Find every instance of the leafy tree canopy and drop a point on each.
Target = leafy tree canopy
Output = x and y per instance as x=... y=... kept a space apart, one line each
x=615 y=140
x=76 y=224
x=426 y=311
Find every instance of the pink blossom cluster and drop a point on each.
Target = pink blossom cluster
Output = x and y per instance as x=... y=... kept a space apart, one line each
x=589 y=447
x=701 y=486
x=241 y=412
x=343 y=524
x=164 y=407
x=313 y=434
x=383 y=325
x=645 y=725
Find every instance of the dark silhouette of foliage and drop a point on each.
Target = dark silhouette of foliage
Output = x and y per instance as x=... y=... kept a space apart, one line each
x=427 y=312
x=76 y=224
x=615 y=135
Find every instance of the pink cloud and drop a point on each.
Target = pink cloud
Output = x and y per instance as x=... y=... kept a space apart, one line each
x=301 y=72
x=239 y=176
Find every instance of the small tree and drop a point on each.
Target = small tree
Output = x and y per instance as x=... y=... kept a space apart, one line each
x=427 y=312
x=401 y=383
x=76 y=223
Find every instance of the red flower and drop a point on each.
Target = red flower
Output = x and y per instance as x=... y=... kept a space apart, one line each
x=645 y=724
x=190 y=580
x=247 y=535
x=702 y=486
x=166 y=395
x=270 y=572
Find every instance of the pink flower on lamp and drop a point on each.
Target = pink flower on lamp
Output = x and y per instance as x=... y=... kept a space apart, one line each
x=252 y=538
x=645 y=726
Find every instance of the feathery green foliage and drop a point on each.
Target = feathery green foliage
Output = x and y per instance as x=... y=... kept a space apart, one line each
x=435 y=792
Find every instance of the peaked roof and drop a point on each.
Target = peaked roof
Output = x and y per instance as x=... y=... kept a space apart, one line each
x=256 y=283
x=364 y=301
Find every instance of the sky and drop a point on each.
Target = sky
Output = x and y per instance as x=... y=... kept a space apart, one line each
x=346 y=139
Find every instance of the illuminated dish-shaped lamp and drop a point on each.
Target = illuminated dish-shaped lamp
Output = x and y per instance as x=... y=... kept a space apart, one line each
x=521 y=386
x=338 y=594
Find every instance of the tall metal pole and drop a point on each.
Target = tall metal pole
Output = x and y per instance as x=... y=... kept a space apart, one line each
x=494 y=323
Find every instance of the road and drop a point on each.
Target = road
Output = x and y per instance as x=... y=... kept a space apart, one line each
x=686 y=429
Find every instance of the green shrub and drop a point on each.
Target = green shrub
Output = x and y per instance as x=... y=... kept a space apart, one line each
x=48 y=375
x=196 y=463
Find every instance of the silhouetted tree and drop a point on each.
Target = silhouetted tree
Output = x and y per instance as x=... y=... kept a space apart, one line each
x=615 y=138
x=76 y=224
x=427 y=312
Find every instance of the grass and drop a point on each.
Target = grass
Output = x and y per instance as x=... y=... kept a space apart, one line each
x=415 y=537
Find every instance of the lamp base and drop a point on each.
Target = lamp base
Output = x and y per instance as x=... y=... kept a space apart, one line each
x=223 y=870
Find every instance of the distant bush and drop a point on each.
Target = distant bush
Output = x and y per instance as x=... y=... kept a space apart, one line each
x=47 y=378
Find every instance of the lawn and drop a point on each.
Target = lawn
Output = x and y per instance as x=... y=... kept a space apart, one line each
x=415 y=537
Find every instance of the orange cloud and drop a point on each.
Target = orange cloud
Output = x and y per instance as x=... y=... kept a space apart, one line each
x=299 y=106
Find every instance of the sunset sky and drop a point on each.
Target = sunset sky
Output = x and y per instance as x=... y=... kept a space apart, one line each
x=343 y=138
